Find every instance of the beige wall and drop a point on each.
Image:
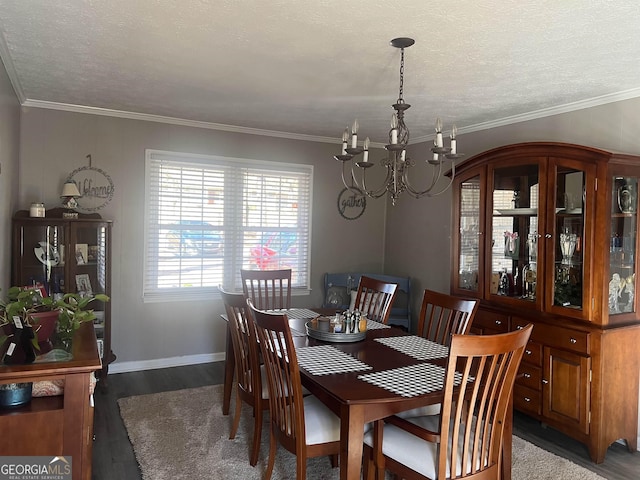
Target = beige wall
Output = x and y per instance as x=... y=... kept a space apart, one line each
x=9 y=150
x=418 y=234
x=54 y=143
x=413 y=238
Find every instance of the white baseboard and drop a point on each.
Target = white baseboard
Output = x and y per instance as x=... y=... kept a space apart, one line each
x=123 y=367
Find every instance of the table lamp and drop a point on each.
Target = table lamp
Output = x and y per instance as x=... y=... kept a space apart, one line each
x=69 y=194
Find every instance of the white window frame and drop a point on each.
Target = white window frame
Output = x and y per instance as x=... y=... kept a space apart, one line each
x=233 y=223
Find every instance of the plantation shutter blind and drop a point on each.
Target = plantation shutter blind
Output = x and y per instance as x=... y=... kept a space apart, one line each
x=208 y=217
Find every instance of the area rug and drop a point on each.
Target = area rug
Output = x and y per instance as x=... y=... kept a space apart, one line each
x=183 y=435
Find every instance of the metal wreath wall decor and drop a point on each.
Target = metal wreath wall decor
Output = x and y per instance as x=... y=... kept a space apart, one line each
x=350 y=204
x=95 y=186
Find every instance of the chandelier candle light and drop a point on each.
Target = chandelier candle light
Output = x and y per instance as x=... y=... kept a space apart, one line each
x=397 y=162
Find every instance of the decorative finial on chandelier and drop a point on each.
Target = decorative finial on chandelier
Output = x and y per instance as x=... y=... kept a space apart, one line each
x=398 y=162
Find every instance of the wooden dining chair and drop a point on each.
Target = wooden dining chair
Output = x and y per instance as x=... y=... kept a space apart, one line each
x=374 y=298
x=267 y=289
x=302 y=425
x=443 y=315
x=466 y=439
x=251 y=384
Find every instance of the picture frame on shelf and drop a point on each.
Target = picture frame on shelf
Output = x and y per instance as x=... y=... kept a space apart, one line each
x=92 y=254
x=83 y=284
x=82 y=253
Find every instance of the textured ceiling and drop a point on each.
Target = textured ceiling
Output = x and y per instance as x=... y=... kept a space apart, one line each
x=310 y=68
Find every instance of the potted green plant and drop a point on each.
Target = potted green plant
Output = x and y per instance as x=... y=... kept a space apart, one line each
x=25 y=318
x=28 y=320
x=73 y=310
x=32 y=311
x=37 y=312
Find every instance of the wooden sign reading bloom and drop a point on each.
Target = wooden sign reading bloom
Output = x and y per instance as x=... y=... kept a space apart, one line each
x=95 y=186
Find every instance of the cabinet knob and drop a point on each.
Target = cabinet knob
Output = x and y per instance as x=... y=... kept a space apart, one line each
x=528 y=352
x=527 y=399
x=519 y=327
x=573 y=340
x=545 y=381
x=527 y=375
x=547 y=235
x=498 y=322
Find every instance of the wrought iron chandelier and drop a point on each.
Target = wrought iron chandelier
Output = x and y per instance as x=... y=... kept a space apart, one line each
x=397 y=163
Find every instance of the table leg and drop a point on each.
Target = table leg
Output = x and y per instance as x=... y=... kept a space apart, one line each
x=229 y=367
x=351 y=438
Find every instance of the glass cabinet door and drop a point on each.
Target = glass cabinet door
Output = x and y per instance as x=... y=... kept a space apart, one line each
x=622 y=249
x=568 y=235
x=90 y=258
x=514 y=232
x=470 y=234
x=568 y=239
x=90 y=276
x=41 y=258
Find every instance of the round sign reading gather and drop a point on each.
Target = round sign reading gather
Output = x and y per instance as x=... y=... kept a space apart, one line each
x=95 y=186
x=351 y=203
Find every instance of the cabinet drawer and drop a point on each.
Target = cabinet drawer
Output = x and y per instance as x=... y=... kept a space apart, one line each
x=529 y=376
x=532 y=354
x=495 y=322
x=526 y=399
x=565 y=338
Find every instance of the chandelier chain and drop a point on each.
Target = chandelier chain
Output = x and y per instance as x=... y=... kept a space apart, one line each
x=400 y=99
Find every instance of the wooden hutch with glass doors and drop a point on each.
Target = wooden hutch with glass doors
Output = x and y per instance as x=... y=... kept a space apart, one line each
x=67 y=255
x=547 y=233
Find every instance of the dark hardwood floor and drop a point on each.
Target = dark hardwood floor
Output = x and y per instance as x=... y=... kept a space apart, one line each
x=113 y=457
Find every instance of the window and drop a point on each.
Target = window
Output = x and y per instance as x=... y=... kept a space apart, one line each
x=207 y=217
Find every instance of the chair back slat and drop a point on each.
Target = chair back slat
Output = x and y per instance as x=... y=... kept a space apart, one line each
x=375 y=298
x=267 y=289
x=283 y=374
x=443 y=315
x=243 y=338
x=479 y=380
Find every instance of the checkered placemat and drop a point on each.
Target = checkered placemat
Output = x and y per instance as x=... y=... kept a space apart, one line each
x=298 y=313
x=325 y=360
x=373 y=325
x=410 y=381
x=416 y=347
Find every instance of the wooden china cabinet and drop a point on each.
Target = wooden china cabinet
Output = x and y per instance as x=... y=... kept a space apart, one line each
x=67 y=255
x=547 y=234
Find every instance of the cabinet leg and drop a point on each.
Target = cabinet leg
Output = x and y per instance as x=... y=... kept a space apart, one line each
x=596 y=453
x=632 y=445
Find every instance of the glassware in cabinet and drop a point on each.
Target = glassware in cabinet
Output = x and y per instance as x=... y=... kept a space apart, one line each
x=514 y=232
x=622 y=247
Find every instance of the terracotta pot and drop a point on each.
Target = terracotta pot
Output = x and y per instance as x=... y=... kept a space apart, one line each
x=44 y=324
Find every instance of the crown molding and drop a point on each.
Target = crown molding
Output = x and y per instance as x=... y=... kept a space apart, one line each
x=11 y=69
x=536 y=114
x=67 y=107
x=544 y=112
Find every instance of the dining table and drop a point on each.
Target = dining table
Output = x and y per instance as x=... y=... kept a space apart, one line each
x=386 y=372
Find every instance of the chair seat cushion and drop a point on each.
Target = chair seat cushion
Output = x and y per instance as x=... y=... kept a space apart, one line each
x=403 y=447
x=410 y=450
x=264 y=382
x=426 y=411
x=321 y=424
